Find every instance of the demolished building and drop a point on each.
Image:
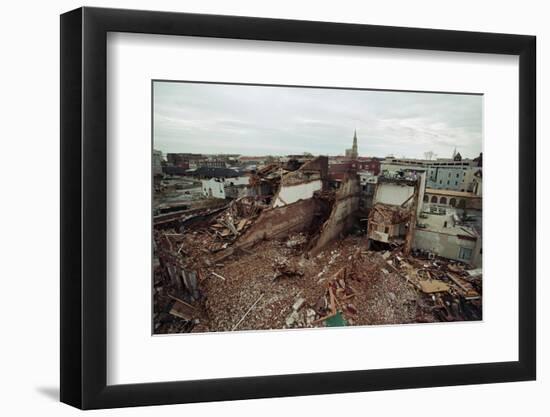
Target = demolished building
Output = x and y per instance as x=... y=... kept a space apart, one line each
x=400 y=217
x=290 y=252
x=392 y=218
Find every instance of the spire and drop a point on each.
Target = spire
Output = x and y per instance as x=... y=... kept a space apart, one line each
x=354 y=152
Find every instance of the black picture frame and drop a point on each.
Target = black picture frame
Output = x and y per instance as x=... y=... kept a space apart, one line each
x=84 y=207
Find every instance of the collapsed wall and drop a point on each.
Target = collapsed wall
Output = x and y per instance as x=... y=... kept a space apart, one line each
x=280 y=221
x=326 y=217
x=342 y=217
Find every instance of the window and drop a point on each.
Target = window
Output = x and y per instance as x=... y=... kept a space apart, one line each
x=448 y=182
x=464 y=253
x=452 y=202
x=434 y=199
x=457 y=174
x=426 y=198
x=443 y=200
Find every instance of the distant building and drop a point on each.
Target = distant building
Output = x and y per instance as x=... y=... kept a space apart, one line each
x=371 y=165
x=251 y=160
x=219 y=163
x=182 y=159
x=157 y=163
x=451 y=198
x=353 y=153
x=449 y=174
x=342 y=167
x=221 y=182
x=174 y=170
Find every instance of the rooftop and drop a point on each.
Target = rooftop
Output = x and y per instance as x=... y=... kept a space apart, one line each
x=216 y=172
x=445 y=223
x=450 y=193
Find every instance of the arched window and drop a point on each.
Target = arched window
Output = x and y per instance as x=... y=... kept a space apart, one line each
x=426 y=199
x=443 y=200
x=434 y=199
x=452 y=202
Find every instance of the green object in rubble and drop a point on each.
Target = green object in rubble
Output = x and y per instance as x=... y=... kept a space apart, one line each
x=336 y=321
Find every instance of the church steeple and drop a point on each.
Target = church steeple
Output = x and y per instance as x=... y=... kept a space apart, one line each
x=354 y=152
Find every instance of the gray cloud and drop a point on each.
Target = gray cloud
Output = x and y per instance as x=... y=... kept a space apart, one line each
x=260 y=120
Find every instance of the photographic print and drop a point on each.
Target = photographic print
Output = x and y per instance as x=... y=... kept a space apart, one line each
x=288 y=207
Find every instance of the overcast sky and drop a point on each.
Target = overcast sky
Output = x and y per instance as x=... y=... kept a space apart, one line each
x=258 y=120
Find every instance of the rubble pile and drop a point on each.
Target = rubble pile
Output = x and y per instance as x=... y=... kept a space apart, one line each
x=205 y=280
x=177 y=295
x=386 y=214
x=455 y=291
x=233 y=221
x=267 y=178
x=343 y=283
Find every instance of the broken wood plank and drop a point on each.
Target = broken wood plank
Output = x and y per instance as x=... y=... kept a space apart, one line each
x=457 y=282
x=177 y=313
x=407 y=200
x=241 y=225
x=181 y=301
x=248 y=252
x=182 y=310
x=231 y=226
x=247 y=311
x=217 y=275
x=336 y=275
x=434 y=285
x=347 y=297
x=332 y=300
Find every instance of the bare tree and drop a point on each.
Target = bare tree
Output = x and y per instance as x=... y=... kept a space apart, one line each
x=429 y=155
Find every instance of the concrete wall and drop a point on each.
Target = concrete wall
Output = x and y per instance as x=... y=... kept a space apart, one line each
x=447 y=245
x=213 y=188
x=394 y=194
x=289 y=194
x=280 y=221
x=244 y=180
x=342 y=217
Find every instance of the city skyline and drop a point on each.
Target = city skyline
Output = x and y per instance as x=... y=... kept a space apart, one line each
x=264 y=120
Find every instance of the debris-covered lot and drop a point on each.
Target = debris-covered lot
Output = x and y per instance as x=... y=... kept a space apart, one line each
x=207 y=279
